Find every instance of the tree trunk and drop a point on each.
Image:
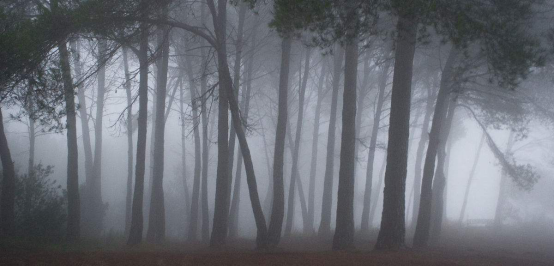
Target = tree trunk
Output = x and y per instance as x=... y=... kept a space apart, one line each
x=32 y=141
x=278 y=206
x=193 y=215
x=75 y=50
x=294 y=171
x=440 y=181
x=327 y=200
x=236 y=86
x=499 y=212
x=344 y=231
x=235 y=203
x=156 y=220
x=205 y=141
x=315 y=143
x=221 y=205
x=470 y=179
x=129 y=194
x=365 y=224
x=73 y=200
x=93 y=207
x=375 y=198
x=7 y=197
x=135 y=234
x=184 y=150
x=423 y=226
x=391 y=234
x=424 y=137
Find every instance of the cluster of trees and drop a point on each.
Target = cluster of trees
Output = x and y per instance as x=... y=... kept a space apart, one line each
x=439 y=58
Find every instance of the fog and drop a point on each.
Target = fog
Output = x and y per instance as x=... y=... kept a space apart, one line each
x=415 y=129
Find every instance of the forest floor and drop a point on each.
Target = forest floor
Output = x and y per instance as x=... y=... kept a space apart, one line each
x=471 y=250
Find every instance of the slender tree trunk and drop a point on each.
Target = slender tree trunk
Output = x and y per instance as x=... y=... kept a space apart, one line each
x=156 y=220
x=470 y=179
x=205 y=141
x=423 y=226
x=327 y=201
x=135 y=234
x=193 y=215
x=278 y=206
x=315 y=143
x=184 y=150
x=235 y=203
x=75 y=50
x=363 y=90
x=294 y=171
x=392 y=232
x=500 y=205
x=440 y=181
x=365 y=224
x=7 y=198
x=424 y=137
x=268 y=200
x=344 y=231
x=236 y=85
x=32 y=141
x=375 y=198
x=73 y=199
x=129 y=194
x=93 y=210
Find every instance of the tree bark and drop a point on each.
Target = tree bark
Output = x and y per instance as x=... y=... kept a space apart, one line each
x=135 y=234
x=294 y=171
x=470 y=179
x=7 y=198
x=327 y=200
x=392 y=232
x=205 y=141
x=278 y=206
x=184 y=150
x=344 y=231
x=129 y=194
x=365 y=224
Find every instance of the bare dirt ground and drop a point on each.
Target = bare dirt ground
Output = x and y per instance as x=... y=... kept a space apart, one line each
x=462 y=249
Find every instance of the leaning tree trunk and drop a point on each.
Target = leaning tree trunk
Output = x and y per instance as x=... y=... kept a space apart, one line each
x=392 y=232
x=235 y=203
x=365 y=225
x=296 y=151
x=315 y=143
x=470 y=179
x=278 y=206
x=135 y=233
x=7 y=198
x=375 y=198
x=440 y=181
x=499 y=212
x=236 y=85
x=156 y=220
x=327 y=200
x=344 y=231
x=424 y=137
x=423 y=226
x=129 y=194
x=73 y=199
x=193 y=215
